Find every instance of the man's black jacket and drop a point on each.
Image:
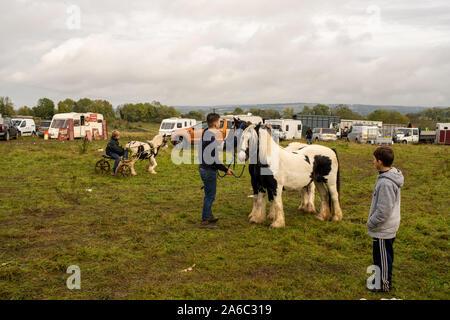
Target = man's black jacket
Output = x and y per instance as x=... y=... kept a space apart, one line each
x=113 y=146
x=210 y=161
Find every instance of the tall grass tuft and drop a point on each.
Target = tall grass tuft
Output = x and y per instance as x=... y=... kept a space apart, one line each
x=84 y=146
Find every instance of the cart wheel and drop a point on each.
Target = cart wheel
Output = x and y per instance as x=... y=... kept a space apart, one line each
x=102 y=167
x=123 y=170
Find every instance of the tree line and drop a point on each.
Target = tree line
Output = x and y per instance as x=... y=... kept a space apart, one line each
x=426 y=118
x=46 y=108
x=155 y=112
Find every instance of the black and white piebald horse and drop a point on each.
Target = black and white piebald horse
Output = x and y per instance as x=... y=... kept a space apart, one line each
x=146 y=150
x=296 y=167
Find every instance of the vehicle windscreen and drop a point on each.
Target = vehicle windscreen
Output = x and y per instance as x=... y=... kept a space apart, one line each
x=402 y=131
x=59 y=123
x=45 y=124
x=328 y=131
x=167 y=125
x=16 y=122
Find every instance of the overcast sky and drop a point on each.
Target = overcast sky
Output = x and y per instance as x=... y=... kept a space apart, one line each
x=212 y=52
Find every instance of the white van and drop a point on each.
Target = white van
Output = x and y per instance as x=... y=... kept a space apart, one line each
x=81 y=123
x=363 y=134
x=288 y=129
x=26 y=127
x=168 y=126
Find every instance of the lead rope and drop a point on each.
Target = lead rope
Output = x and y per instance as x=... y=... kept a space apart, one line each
x=233 y=162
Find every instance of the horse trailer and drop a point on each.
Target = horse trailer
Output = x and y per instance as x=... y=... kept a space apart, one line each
x=82 y=122
x=288 y=129
x=313 y=121
x=443 y=133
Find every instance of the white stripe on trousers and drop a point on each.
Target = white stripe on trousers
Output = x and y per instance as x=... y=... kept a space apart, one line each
x=384 y=265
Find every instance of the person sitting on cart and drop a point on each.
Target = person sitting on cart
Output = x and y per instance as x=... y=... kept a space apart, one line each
x=115 y=151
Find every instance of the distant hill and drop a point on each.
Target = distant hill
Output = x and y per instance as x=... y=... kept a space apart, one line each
x=363 y=109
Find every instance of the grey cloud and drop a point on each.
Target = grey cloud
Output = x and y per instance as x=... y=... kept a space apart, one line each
x=222 y=52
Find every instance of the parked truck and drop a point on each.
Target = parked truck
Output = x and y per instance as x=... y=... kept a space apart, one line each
x=413 y=136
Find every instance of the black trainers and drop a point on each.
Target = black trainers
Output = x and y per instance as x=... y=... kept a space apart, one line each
x=213 y=219
x=205 y=224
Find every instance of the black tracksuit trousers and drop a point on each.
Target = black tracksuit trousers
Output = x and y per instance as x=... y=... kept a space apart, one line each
x=383 y=257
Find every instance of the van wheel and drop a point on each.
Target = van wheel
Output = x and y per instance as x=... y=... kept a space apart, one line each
x=317 y=139
x=405 y=142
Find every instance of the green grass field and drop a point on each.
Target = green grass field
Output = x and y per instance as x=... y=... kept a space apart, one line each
x=132 y=237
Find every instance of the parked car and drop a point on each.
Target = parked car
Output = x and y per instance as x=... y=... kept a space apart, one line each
x=7 y=128
x=42 y=127
x=26 y=127
x=363 y=134
x=324 y=134
x=168 y=126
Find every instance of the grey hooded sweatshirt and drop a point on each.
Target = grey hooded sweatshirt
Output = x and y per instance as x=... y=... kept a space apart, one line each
x=384 y=216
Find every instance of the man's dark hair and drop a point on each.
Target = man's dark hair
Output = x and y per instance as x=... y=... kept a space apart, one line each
x=385 y=154
x=211 y=118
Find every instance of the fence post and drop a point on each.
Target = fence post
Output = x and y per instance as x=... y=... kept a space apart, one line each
x=104 y=130
x=70 y=130
x=89 y=135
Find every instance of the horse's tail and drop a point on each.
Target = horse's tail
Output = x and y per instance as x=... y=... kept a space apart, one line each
x=338 y=178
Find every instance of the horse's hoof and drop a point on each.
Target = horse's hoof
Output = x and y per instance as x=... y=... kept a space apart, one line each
x=277 y=225
x=321 y=218
x=336 y=218
x=256 y=221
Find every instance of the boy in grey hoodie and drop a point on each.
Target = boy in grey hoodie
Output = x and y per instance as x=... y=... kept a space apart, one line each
x=384 y=216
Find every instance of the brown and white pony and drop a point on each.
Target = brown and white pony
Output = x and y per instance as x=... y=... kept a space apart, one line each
x=146 y=150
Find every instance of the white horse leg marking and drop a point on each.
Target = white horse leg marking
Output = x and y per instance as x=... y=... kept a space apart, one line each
x=279 y=221
x=152 y=165
x=260 y=212
x=133 y=172
x=255 y=206
x=337 y=212
x=307 y=194
x=272 y=213
x=324 y=213
x=312 y=192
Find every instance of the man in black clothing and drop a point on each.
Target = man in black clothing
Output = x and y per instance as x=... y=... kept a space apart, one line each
x=209 y=164
x=309 y=135
x=115 y=151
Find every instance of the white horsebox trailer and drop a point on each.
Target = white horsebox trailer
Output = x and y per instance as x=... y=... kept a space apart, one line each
x=168 y=126
x=81 y=123
x=288 y=129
